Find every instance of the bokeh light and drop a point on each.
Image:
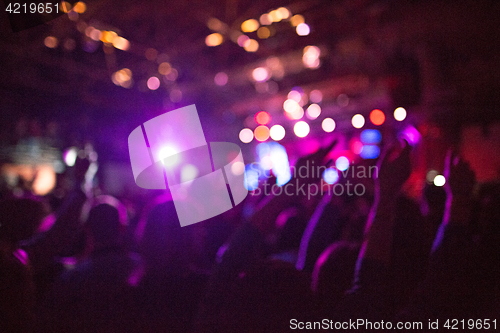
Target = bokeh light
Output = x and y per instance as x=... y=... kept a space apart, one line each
x=358 y=121
x=164 y=68
x=301 y=129
x=153 y=83
x=80 y=7
x=246 y=135
x=263 y=32
x=220 y=79
x=342 y=163
x=262 y=118
x=313 y=111
x=303 y=29
x=439 y=180
x=331 y=176
x=400 y=114
x=370 y=136
x=310 y=57
x=251 y=178
x=377 y=117
x=251 y=45
x=108 y=36
x=50 y=42
x=316 y=96
x=290 y=106
x=328 y=125
x=121 y=43
x=277 y=132
x=242 y=39
x=369 y=152
x=261 y=133
x=296 y=20
x=260 y=74
x=250 y=25
x=214 y=39
x=431 y=175
x=266 y=19
x=297 y=114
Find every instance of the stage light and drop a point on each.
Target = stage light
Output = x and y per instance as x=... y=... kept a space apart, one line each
x=370 y=136
x=121 y=43
x=400 y=114
x=277 y=132
x=251 y=45
x=242 y=39
x=164 y=68
x=369 y=152
x=172 y=153
x=377 y=117
x=266 y=19
x=358 y=121
x=108 y=36
x=262 y=118
x=250 y=25
x=153 y=83
x=301 y=129
x=214 y=39
x=275 y=15
x=246 y=135
x=297 y=114
x=80 y=7
x=316 y=96
x=310 y=57
x=70 y=156
x=303 y=29
x=331 y=176
x=295 y=95
x=342 y=163
x=313 y=111
x=261 y=133
x=220 y=79
x=260 y=74
x=328 y=125
x=290 y=106
x=296 y=20
x=50 y=42
x=439 y=180
x=263 y=32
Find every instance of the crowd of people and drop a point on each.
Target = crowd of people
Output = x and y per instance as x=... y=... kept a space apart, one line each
x=274 y=263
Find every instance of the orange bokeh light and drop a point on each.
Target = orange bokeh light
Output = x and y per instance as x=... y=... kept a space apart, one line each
x=261 y=133
x=262 y=118
x=377 y=117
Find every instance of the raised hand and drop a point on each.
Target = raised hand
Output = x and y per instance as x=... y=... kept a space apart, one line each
x=394 y=169
x=460 y=178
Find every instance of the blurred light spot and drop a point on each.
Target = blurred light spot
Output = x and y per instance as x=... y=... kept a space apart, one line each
x=262 y=118
x=342 y=163
x=246 y=135
x=251 y=45
x=275 y=15
x=122 y=77
x=342 y=100
x=242 y=39
x=279 y=163
x=45 y=180
x=316 y=96
x=411 y=134
x=377 y=117
x=72 y=15
x=313 y=111
x=298 y=113
x=358 y=121
x=295 y=95
x=151 y=54
x=189 y=172
x=369 y=152
x=214 y=24
x=250 y=25
x=121 y=43
x=153 y=83
x=108 y=36
x=370 y=136
x=238 y=168
x=296 y=20
x=284 y=13
x=301 y=129
x=266 y=162
x=439 y=180
x=95 y=34
x=164 y=68
x=70 y=156
x=50 y=42
x=265 y=19
x=69 y=44
x=65 y=6
x=80 y=7
x=169 y=151
x=263 y=33
x=260 y=74
x=290 y=106
x=277 y=132
x=303 y=29
x=356 y=147
x=328 y=125
x=261 y=133
x=400 y=114
x=172 y=75
x=331 y=176
x=214 y=39
x=310 y=57
x=251 y=179
x=220 y=79
x=430 y=176
x=175 y=95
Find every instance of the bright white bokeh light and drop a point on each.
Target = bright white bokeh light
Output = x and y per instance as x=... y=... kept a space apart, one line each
x=295 y=95
x=70 y=156
x=331 y=176
x=342 y=163
x=301 y=129
x=188 y=172
x=277 y=132
x=439 y=180
x=290 y=106
x=313 y=111
x=358 y=121
x=153 y=83
x=260 y=74
x=303 y=29
x=170 y=152
x=328 y=125
x=238 y=168
x=400 y=114
x=246 y=135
